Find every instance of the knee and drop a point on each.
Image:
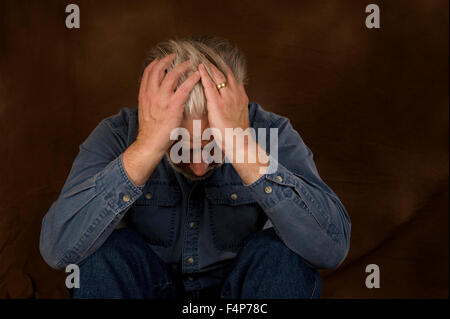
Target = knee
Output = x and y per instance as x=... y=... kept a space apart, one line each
x=266 y=249
x=123 y=238
x=266 y=243
x=266 y=253
x=125 y=266
x=271 y=269
x=122 y=244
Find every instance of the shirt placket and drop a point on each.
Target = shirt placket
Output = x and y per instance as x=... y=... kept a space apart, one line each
x=190 y=253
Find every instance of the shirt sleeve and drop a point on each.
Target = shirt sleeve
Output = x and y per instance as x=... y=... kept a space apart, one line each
x=305 y=213
x=95 y=197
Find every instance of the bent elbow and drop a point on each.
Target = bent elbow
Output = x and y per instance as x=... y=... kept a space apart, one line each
x=49 y=256
x=338 y=251
x=48 y=247
x=337 y=258
x=336 y=254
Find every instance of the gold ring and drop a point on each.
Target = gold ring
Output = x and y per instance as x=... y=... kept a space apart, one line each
x=221 y=85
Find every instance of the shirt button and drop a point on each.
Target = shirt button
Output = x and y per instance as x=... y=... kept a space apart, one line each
x=192 y=224
x=126 y=198
x=279 y=179
x=190 y=278
x=268 y=189
x=190 y=260
x=148 y=196
x=233 y=196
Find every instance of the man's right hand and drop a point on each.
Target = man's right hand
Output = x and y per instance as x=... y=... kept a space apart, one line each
x=160 y=111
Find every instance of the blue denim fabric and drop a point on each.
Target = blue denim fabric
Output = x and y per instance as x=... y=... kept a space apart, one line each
x=125 y=267
x=196 y=227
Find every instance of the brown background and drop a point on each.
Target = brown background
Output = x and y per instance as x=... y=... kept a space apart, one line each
x=371 y=104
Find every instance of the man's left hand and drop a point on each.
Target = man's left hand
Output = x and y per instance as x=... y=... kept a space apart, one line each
x=228 y=108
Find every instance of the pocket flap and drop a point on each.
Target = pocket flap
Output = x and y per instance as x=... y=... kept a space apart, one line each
x=155 y=194
x=232 y=195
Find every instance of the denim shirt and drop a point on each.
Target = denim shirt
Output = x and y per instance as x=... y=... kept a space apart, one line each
x=196 y=227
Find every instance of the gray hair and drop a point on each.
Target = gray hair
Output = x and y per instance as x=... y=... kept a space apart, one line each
x=200 y=49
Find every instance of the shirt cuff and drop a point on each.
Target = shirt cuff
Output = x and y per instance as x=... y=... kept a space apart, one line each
x=270 y=189
x=117 y=189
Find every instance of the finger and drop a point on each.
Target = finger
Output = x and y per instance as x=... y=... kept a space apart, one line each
x=218 y=76
x=182 y=93
x=157 y=72
x=230 y=77
x=219 y=79
x=211 y=92
x=145 y=76
x=242 y=88
x=171 y=79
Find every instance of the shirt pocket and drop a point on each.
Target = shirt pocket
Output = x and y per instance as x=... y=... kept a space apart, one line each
x=234 y=216
x=155 y=214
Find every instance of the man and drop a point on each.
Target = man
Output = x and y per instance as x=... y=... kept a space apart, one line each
x=213 y=225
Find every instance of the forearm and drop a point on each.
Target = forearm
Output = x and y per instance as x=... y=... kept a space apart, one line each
x=250 y=170
x=140 y=160
x=85 y=213
x=309 y=219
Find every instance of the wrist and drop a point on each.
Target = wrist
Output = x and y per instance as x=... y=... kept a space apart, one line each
x=146 y=148
x=254 y=165
x=139 y=162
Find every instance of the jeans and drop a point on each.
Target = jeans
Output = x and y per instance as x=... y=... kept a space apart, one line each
x=126 y=267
